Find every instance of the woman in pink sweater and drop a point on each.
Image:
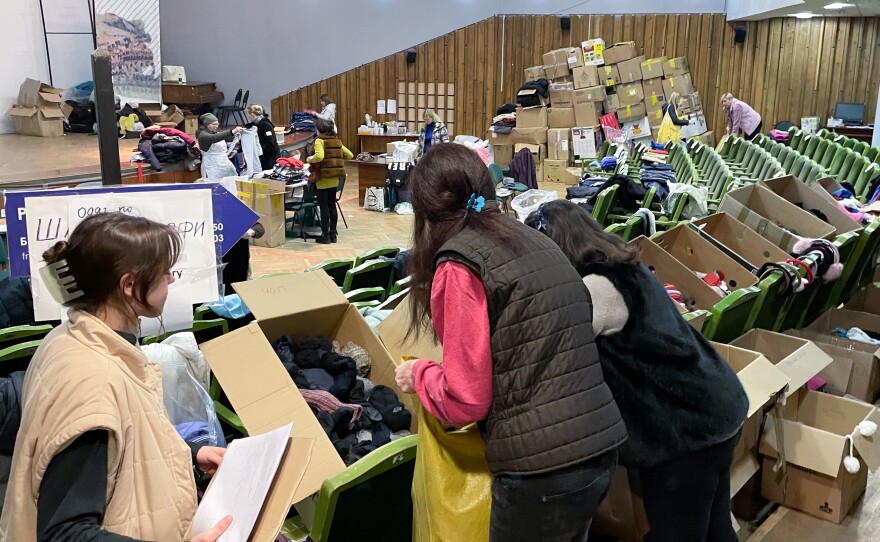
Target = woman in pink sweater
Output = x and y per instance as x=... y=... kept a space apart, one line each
x=741 y=118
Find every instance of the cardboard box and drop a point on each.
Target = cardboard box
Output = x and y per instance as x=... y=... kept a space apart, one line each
x=855 y=370
x=691 y=103
x=773 y=217
x=675 y=67
x=531 y=94
x=653 y=68
x=640 y=129
x=679 y=83
x=554 y=71
x=868 y=384
x=654 y=104
x=518 y=135
x=585 y=77
x=631 y=113
x=700 y=255
x=739 y=239
x=653 y=87
x=555 y=170
x=37 y=121
x=561 y=98
x=798 y=358
x=630 y=94
x=763 y=383
x=587 y=114
x=172 y=114
x=609 y=75
x=612 y=100
x=561 y=117
x=865 y=300
x=531 y=117
x=539 y=152
x=559 y=144
x=655 y=118
x=630 y=70
x=620 y=52
x=696 y=127
x=266 y=198
x=502 y=155
x=534 y=73
x=191 y=124
x=33 y=93
x=259 y=387
x=587 y=95
x=567 y=55
x=592 y=50
x=816 y=428
x=585 y=141
x=707 y=139
x=795 y=191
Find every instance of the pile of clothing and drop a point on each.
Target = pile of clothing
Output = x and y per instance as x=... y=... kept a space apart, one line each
x=659 y=176
x=166 y=146
x=505 y=119
x=357 y=415
x=676 y=295
x=657 y=156
x=290 y=170
x=859 y=335
x=302 y=122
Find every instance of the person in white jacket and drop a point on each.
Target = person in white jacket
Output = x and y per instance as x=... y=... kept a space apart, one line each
x=328 y=111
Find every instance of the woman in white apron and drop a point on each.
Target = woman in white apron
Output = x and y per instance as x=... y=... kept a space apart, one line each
x=215 y=154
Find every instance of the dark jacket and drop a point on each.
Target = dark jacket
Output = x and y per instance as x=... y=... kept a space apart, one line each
x=206 y=138
x=10 y=420
x=673 y=115
x=523 y=169
x=676 y=394
x=266 y=135
x=16 y=302
x=550 y=405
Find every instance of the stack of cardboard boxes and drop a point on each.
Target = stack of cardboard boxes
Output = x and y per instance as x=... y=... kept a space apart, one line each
x=38 y=110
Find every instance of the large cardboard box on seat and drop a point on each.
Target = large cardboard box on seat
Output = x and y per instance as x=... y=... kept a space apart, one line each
x=700 y=255
x=630 y=94
x=534 y=73
x=608 y=75
x=739 y=239
x=561 y=117
x=259 y=387
x=619 y=52
x=816 y=432
x=587 y=114
x=632 y=113
x=587 y=95
x=773 y=217
x=559 y=144
x=679 y=83
x=531 y=117
x=795 y=191
x=675 y=66
x=592 y=50
x=855 y=371
x=653 y=68
x=630 y=70
x=585 y=77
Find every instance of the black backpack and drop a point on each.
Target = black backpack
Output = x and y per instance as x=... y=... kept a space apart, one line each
x=398 y=173
x=82 y=118
x=533 y=93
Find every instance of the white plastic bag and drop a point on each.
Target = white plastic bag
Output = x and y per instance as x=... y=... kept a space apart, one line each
x=405 y=151
x=530 y=200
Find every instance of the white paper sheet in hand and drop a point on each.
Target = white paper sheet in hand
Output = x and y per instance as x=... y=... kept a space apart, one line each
x=242 y=483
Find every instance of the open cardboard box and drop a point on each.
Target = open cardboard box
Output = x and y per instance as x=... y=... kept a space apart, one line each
x=668 y=270
x=741 y=240
x=855 y=370
x=795 y=191
x=773 y=217
x=816 y=428
x=865 y=300
x=699 y=255
x=262 y=392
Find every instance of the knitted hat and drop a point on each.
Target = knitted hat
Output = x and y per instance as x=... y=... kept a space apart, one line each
x=394 y=414
x=208 y=118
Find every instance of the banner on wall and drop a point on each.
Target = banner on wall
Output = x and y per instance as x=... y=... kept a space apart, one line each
x=129 y=31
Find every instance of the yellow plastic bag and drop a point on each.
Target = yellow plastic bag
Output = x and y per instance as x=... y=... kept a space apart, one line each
x=452 y=486
x=668 y=131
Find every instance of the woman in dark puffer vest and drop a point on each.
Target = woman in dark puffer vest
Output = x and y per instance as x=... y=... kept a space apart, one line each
x=683 y=405
x=518 y=352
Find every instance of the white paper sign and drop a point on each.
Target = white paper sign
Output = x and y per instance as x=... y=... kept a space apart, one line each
x=392 y=106
x=380 y=107
x=52 y=218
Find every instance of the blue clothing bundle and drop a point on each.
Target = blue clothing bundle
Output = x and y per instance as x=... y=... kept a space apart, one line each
x=609 y=163
x=302 y=122
x=658 y=176
x=195 y=432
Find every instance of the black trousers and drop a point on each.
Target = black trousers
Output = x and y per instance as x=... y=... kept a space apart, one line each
x=327 y=205
x=688 y=498
x=237 y=262
x=557 y=506
x=757 y=131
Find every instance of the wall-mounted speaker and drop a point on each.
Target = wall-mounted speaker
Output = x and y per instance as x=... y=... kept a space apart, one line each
x=411 y=55
x=565 y=23
x=739 y=33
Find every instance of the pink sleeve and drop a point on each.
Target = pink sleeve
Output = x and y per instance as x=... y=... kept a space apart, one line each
x=736 y=113
x=459 y=391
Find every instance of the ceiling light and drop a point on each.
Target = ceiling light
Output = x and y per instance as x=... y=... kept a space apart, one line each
x=804 y=15
x=839 y=5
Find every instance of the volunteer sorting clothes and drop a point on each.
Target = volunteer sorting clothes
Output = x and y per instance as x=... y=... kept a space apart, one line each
x=96 y=457
x=215 y=151
x=328 y=111
x=328 y=166
x=683 y=405
x=742 y=120
x=513 y=318
x=266 y=134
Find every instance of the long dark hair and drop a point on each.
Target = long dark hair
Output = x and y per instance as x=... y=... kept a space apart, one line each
x=441 y=186
x=581 y=238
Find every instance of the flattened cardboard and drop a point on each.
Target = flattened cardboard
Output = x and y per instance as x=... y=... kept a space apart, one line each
x=799 y=359
x=699 y=255
x=737 y=237
x=668 y=270
x=773 y=217
x=283 y=490
x=585 y=77
x=795 y=191
x=653 y=68
x=531 y=117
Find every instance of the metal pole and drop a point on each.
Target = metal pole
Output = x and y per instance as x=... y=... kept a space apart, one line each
x=105 y=108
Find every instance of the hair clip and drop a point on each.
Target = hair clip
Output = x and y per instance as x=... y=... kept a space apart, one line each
x=475 y=203
x=60 y=282
x=540 y=220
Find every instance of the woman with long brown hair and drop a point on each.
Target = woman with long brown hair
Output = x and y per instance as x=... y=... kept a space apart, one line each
x=518 y=353
x=682 y=404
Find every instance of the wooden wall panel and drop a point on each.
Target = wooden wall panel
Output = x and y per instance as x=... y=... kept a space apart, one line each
x=786 y=69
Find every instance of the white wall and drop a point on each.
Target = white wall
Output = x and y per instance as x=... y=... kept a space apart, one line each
x=23 y=53
x=271 y=53
x=742 y=9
